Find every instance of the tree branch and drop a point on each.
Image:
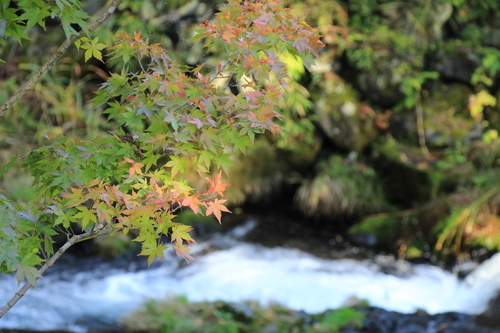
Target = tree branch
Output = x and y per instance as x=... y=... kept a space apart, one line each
x=205 y=86
x=75 y=239
x=60 y=51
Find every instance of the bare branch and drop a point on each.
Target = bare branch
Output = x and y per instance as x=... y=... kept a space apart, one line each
x=60 y=51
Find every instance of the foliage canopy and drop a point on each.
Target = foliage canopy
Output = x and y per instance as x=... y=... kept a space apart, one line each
x=168 y=118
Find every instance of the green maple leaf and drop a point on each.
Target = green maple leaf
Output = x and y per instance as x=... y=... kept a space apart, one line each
x=35 y=15
x=180 y=233
x=176 y=164
x=26 y=271
x=93 y=47
x=86 y=216
x=152 y=250
x=242 y=143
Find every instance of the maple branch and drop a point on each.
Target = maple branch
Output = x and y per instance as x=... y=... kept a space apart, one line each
x=101 y=230
x=221 y=70
x=60 y=51
x=206 y=85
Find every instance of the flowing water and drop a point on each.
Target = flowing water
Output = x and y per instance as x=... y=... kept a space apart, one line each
x=71 y=299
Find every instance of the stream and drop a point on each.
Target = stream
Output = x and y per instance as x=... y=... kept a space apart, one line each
x=84 y=292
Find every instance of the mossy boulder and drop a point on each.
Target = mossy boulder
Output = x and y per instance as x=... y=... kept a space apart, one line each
x=346 y=122
x=256 y=175
x=341 y=188
x=447 y=119
x=405 y=172
x=385 y=229
x=446 y=116
x=455 y=62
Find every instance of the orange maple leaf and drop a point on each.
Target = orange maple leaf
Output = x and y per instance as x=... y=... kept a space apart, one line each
x=193 y=203
x=228 y=35
x=216 y=207
x=135 y=167
x=216 y=185
x=182 y=251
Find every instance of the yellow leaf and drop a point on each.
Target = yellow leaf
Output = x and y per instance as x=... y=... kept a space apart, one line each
x=478 y=101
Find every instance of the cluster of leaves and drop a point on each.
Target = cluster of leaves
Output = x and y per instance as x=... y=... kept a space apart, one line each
x=170 y=118
x=35 y=12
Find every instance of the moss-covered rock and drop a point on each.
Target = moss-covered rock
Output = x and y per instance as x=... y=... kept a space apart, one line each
x=257 y=174
x=341 y=188
x=405 y=172
x=386 y=229
x=342 y=118
x=455 y=62
x=446 y=116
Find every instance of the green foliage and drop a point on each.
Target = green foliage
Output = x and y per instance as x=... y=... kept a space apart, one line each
x=474 y=223
x=338 y=319
x=411 y=86
x=489 y=68
x=58 y=104
x=363 y=14
x=167 y=118
x=453 y=157
x=93 y=47
x=24 y=236
x=179 y=315
x=385 y=228
x=472 y=12
x=34 y=12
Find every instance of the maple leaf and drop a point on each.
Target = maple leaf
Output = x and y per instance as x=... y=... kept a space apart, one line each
x=86 y=216
x=216 y=207
x=228 y=35
x=181 y=232
x=152 y=250
x=103 y=213
x=193 y=203
x=216 y=184
x=106 y=198
x=135 y=167
x=93 y=47
x=182 y=251
x=196 y=122
x=75 y=198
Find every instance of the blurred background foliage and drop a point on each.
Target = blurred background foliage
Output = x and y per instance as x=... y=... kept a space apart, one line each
x=394 y=133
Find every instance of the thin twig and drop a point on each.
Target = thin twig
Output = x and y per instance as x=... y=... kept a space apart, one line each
x=420 y=124
x=75 y=239
x=60 y=51
x=206 y=85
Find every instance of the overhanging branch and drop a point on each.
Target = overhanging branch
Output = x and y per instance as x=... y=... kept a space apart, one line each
x=75 y=239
